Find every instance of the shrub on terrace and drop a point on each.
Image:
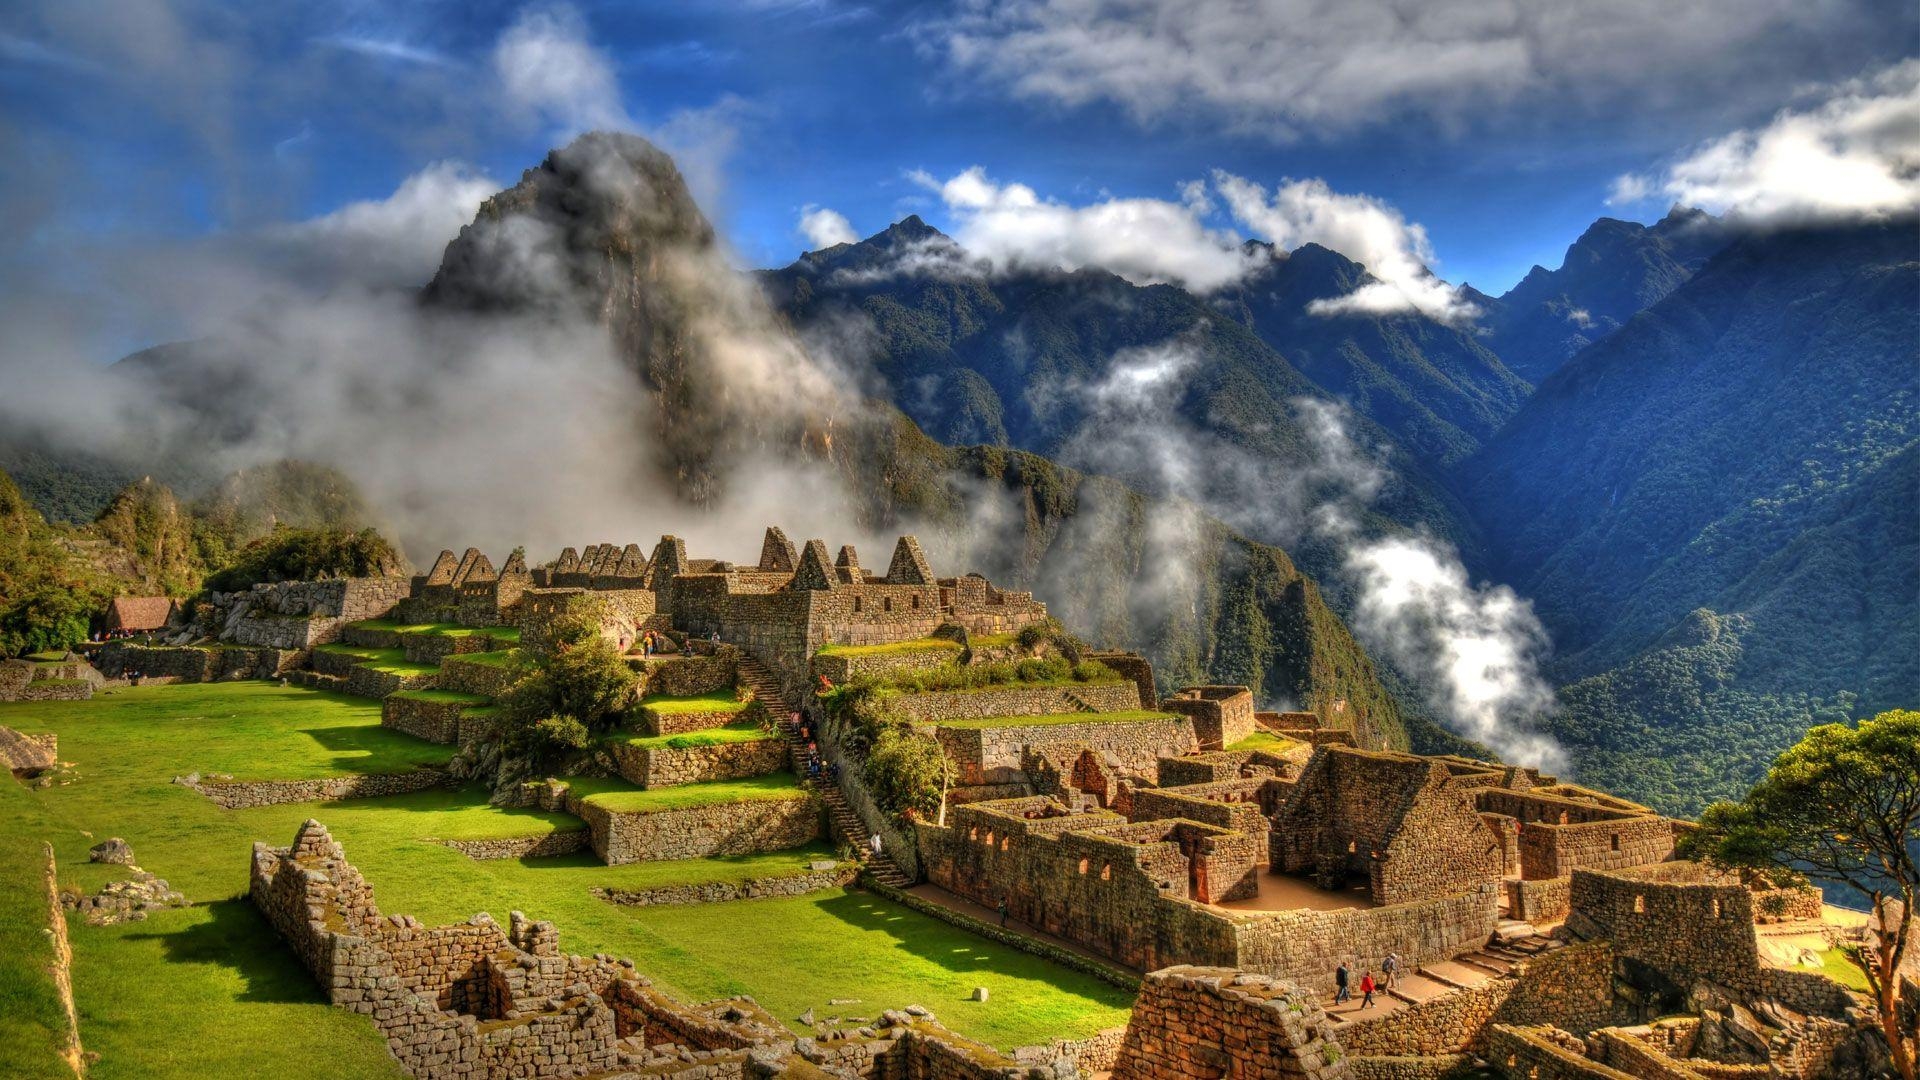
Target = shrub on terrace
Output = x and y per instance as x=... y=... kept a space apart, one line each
x=907 y=773
x=575 y=684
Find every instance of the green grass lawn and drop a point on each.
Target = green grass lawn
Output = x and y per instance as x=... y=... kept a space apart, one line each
x=737 y=732
x=714 y=701
x=1835 y=965
x=254 y=730
x=1262 y=740
x=620 y=796
x=891 y=649
x=1127 y=716
x=194 y=994
x=401 y=667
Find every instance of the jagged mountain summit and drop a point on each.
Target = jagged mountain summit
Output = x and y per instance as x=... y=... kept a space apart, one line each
x=1615 y=270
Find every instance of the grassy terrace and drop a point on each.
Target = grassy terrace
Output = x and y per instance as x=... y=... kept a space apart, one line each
x=892 y=649
x=500 y=658
x=1262 y=740
x=360 y=652
x=740 y=731
x=619 y=796
x=1128 y=716
x=716 y=701
x=443 y=697
x=193 y=993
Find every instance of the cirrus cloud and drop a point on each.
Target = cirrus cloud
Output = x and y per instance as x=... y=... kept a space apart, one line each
x=1284 y=67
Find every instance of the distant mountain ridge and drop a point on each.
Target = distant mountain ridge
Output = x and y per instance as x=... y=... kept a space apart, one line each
x=1615 y=270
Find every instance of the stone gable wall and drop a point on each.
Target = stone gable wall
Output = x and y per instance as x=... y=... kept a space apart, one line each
x=1196 y=1021
x=1228 y=804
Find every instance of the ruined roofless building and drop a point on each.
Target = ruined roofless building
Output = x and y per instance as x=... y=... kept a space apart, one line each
x=789 y=604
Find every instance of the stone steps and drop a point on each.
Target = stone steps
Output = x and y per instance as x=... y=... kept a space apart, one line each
x=844 y=823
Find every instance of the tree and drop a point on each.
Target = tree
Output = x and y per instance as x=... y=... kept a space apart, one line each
x=575 y=683
x=907 y=772
x=1841 y=806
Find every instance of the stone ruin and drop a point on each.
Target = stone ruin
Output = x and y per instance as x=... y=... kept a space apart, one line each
x=478 y=1001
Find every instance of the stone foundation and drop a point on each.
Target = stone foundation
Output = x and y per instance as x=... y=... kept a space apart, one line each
x=522 y=847
x=242 y=794
x=666 y=766
x=997 y=755
x=838 y=875
x=746 y=828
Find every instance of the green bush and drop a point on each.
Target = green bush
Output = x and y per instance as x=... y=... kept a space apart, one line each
x=49 y=618
x=559 y=734
x=289 y=554
x=906 y=772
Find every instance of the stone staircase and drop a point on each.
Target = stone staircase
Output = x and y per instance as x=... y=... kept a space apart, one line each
x=845 y=823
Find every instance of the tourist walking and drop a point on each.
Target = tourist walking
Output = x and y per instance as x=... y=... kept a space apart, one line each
x=1003 y=909
x=1390 y=968
x=1340 y=991
x=1366 y=990
x=873 y=842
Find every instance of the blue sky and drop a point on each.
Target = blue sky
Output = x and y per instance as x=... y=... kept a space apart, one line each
x=1498 y=129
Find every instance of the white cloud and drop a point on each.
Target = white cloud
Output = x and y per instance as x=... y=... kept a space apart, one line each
x=1361 y=227
x=1146 y=241
x=1857 y=153
x=551 y=74
x=1284 y=66
x=824 y=227
x=397 y=240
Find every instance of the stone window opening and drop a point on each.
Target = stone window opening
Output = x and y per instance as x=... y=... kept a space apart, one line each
x=973 y=833
x=989 y=837
x=1106 y=872
x=1005 y=842
x=1716 y=907
x=857 y=605
x=1616 y=841
x=1639 y=905
x=480 y=992
x=915 y=599
x=886 y=603
x=1083 y=865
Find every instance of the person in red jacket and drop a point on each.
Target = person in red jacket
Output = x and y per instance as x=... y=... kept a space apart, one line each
x=1366 y=990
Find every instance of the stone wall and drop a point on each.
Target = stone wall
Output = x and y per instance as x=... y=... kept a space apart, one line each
x=425 y=718
x=24 y=753
x=997 y=755
x=565 y=842
x=1539 y=902
x=191 y=663
x=1549 y=850
x=1531 y=1053
x=1222 y=715
x=841 y=668
x=297 y=615
x=661 y=722
x=744 y=828
x=659 y=767
x=1228 y=804
x=1220 y=765
x=1192 y=1022
x=468 y=676
x=1016 y=699
x=243 y=794
x=1305 y=947
x=1571 y=988
x=833 y=875
x=684 y=676
x=368 y=682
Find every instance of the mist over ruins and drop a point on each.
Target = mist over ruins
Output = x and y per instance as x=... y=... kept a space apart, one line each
x=1128 y=616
